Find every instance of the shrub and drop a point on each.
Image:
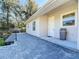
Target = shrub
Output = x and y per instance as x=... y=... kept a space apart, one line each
x=2 y=42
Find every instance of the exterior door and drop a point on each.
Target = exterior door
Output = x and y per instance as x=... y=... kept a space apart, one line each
x=51 y=26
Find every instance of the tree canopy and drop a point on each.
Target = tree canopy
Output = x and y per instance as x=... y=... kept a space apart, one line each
x=14 y=12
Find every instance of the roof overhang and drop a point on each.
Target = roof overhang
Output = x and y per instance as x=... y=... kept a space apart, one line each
x=52 y=4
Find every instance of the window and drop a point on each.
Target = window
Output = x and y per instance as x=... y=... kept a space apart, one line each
x=69 y=19
x=34 y=24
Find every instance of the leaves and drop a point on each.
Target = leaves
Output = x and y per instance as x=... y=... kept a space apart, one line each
x=14 y=12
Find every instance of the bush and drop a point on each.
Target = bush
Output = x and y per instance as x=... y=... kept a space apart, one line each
x=2 y=42
x=23 y=30
x=5 y=35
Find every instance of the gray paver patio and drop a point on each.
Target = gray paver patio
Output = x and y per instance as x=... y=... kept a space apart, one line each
x=30 y=47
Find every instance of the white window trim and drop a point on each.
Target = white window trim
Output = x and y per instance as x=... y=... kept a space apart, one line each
x=34 y=26
x=74 y=11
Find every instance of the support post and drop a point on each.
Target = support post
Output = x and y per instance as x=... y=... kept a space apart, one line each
x=78 y=27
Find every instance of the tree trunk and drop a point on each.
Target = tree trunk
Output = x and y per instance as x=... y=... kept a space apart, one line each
x=7 y=17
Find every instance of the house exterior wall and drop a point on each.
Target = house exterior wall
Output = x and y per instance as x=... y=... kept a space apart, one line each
x=29 y=27
x=57 y=13
x=51 y=25
x=43 y=25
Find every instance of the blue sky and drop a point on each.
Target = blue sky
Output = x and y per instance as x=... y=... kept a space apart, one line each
x=39 y=2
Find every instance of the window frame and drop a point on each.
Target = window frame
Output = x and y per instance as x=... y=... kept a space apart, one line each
x=67 y=14
x=34 y=25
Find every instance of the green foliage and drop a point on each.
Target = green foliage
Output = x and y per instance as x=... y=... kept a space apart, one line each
x=12 y=11
x=2 y=42
x=4 y=26
x=23 y=30
x=3 y=36
x=31 y=7
x=21 y=24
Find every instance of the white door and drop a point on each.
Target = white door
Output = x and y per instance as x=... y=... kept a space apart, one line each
x=51 y=26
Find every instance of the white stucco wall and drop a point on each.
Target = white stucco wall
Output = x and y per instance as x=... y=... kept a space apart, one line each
x=78 y=27
x=42 y=23
x=57 y=13
x=29 y=28
x=51 y=25
x=41 y=27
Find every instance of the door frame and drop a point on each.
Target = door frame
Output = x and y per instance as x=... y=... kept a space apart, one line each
x=51 y=25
